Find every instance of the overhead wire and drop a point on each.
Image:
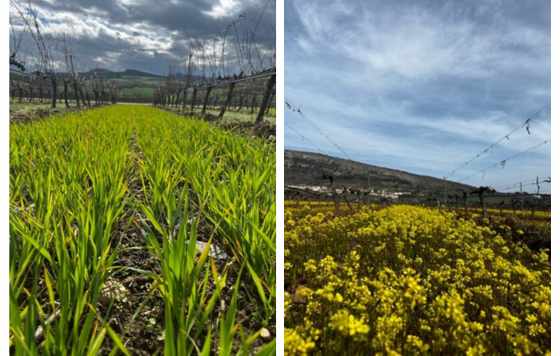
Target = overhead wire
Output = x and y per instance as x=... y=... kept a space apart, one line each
x=504 y=161
x=319 y=130
x=304 y=138
x=526 y=124
x=530 y=182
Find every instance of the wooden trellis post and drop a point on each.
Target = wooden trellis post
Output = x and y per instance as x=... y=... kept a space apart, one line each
x=483 y=204
x=522 y=197
x=228 y=100
x=266 y=98
x=206 y=100
x=253 y=104
x=193 y=102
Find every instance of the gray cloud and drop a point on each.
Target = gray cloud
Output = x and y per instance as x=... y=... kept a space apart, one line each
x=149 y=36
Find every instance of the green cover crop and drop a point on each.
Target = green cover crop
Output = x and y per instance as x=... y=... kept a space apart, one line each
x=136 y=231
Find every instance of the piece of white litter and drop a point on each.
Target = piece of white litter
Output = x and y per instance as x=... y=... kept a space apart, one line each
x=215 y=251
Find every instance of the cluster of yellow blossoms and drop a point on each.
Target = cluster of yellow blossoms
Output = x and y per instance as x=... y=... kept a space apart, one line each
x=410 y=280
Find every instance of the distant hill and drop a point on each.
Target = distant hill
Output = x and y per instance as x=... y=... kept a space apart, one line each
x=109 y=74
x=134 y=85
x=139 y=73
x=306 y=168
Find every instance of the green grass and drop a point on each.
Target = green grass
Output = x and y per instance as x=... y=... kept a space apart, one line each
x=81 y=181
x=136 y=93
x=244 y=116
x=26 y=111
x=16 y=106
x=232 y=117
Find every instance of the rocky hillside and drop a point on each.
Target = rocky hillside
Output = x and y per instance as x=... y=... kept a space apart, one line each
x=313 y=169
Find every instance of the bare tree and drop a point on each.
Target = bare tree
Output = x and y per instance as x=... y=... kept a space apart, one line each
x=46 y=62
x=71 y=72
x=16 y=38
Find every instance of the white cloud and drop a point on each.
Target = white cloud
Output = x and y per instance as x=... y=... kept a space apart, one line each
x=419 y=89
x=417 y=43
x=224 y=8
x=149 y=38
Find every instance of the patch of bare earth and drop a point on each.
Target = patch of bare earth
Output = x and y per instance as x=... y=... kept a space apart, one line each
x=134 y=306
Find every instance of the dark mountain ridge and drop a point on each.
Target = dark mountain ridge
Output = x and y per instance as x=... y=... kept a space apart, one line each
x=109 y=74
x=314 y=169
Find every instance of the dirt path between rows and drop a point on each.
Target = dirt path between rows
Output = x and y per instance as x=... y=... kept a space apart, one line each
x=135 y=307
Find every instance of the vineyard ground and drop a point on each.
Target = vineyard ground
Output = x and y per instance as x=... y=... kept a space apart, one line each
x=403 y=279
x=241 y=122
x=531 y=227
x=140 y=180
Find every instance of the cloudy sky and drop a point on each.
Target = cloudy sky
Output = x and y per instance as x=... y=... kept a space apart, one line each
x=150 y=35
x=421 y=86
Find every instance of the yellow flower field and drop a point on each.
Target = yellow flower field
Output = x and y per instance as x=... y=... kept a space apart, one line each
x=410 y=280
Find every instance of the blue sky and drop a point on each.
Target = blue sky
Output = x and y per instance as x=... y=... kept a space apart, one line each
x=421 y=86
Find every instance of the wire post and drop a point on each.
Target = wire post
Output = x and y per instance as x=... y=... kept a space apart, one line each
x=228 y=100
x=522 y=198
x=445 y=192
x=266 y=98
x=369 y=187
